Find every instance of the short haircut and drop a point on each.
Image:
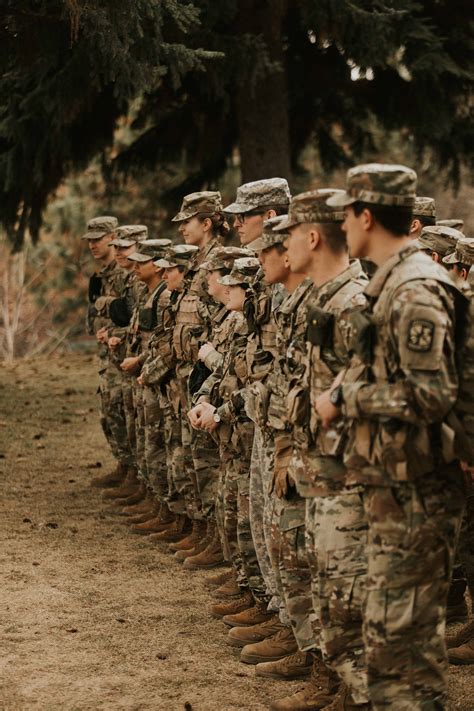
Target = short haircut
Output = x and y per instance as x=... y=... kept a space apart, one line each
x=334 y=236
x=426 y=220
x=393 y=218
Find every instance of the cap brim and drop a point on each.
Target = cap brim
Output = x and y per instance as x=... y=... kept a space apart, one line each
x=95 y=235
x=340 y=200
x=181 y=216
x=164 y=264
x=285 y=225
x=137 y=257
x=229 y=281
x=239 y=208
x=122 y=243
x=451 y=259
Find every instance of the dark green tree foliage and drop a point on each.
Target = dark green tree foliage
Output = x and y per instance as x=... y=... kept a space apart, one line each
x=69 y=70
x=285 y=77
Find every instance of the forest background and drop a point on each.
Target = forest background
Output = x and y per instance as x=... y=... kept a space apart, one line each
x=119 y=107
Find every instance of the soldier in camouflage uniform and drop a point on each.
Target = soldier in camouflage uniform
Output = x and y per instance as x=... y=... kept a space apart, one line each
x=400 y=387
x=202 y=224
x=461 y=645
x=158 y=372
x=438 y=241
x=149 y=435
x=311 y=471
x=108 y=281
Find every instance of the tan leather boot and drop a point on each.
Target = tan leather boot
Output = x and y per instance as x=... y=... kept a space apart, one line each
x=198 y=531
x=278 y=646
x=464 y=634
x=200 y=546
x=247 y=618
x=142 y=518
x=210 y=557
x=318 y=694
x=174 y=531
x=153 y=525
x=220 y=579
x=149 y=503
x=113 y=479
x=343 y=701
x=138 y=495
x=464 y=652
x=229 y=589
x=127 y=488
x=294 y=666
x=245 y=600
x=241 y=636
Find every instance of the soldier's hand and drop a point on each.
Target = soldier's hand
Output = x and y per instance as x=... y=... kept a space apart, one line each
x=102 y=335
x=114 y=342
x=140 y=380
x=325 y=409
x=130 y=365
x=204 y=351
x=207 y=417
x=194 y=417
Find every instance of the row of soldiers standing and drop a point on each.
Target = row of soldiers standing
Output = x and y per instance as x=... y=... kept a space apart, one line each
x=272 y=408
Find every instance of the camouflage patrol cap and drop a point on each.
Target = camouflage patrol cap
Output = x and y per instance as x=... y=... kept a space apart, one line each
x=440 y=239
x=312 y=206
x=98 y=227
x=243 y=271
x=208 y=201
x=455 y=224
x=378 y=184
x=150 y=249
x=424 y=207
x=273 y=192
x=463 y=254
x=223 y=258
x=177 y=255
x=128 y=235
x=271 y=235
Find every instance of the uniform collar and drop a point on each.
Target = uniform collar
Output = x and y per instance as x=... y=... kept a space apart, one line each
x=376 y=284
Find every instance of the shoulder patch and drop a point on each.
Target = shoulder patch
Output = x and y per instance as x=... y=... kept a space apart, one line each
x=420 y=335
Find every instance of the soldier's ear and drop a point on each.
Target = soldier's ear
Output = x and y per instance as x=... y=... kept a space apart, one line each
x=269 y=214
x=464 y=273
x=435 y=257
x=415 y=226
x=314 y=238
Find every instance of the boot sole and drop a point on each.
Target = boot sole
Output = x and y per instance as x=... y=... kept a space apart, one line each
x=238 y=624
x=204 y=567
x=460 y=662
x=260 y=659
x=269 y=675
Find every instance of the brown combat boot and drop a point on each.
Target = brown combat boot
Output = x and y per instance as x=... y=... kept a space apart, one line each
x=241 y=636
x=210 y=557
x=220 y=609
x=141 y=518
x=464 y=634
x=138 y=495
x=463 y=653
x=220 y=579
x=149 y=503
x=457 y=613
x=198 y=531
x=200 y=546
x=112 y=479
x=247 y=618
x=343 y=701
x=271 y=649
x=318 y=694
x=229 y=589
x=127 y=488
x=176 y=530
x=294 y=666
x=152 y=525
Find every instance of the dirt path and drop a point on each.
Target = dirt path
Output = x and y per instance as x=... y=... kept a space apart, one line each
x=92 y=617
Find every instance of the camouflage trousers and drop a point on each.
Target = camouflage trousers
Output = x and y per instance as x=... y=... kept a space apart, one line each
x=179 y=461
x=139 y=407
x=412 y=537
x=336 y=539
x=184 y=476
x=205 y=455
x=112 y=412
x=129 y=412
x=156 y=455
x=291 y=568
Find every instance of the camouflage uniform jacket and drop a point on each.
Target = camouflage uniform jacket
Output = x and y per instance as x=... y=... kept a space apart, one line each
x=158 y=368
x=110 y=283
x=403 y=379
x=193 y=311
x=146 y=317
x=311 y=369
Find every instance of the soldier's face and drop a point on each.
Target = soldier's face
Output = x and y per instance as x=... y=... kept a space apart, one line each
x=146 y=271
x=100 y=247
x=122 y=254
x=193 y=231
x=235 y=298
x=298 y=249
x=249 y=227
x=173 y=278
x=216 y=290
x=357 y=233
x=274 y=264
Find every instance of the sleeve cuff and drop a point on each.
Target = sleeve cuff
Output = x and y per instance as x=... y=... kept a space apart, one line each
x=350 y=406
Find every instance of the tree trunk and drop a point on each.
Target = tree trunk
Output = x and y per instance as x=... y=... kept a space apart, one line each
x=262 y=110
